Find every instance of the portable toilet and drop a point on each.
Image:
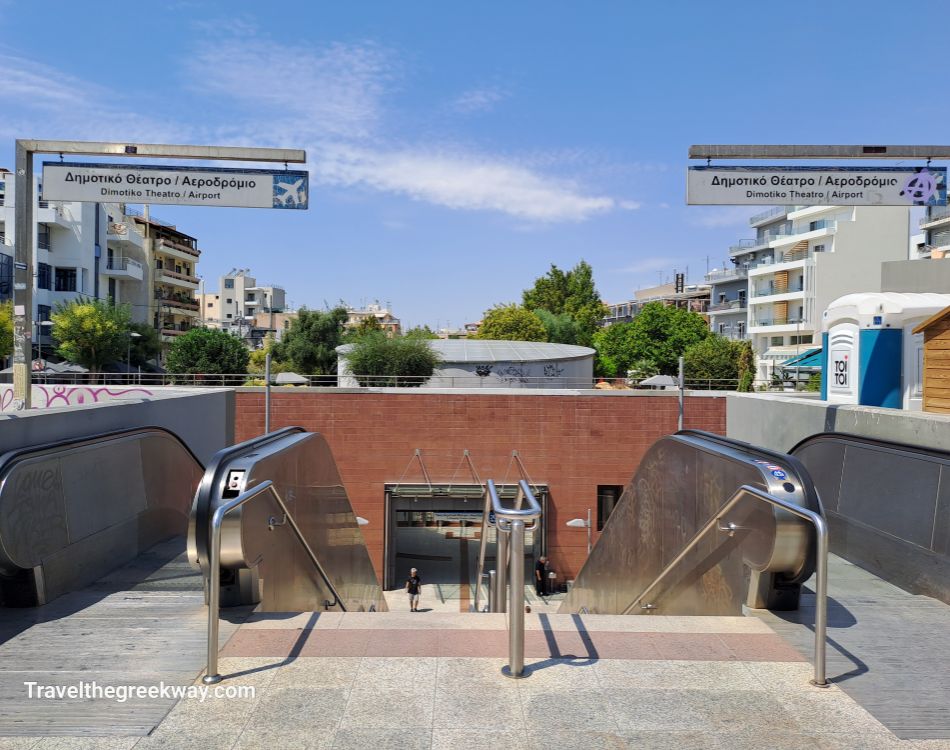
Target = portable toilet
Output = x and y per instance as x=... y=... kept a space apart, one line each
x=870 y=354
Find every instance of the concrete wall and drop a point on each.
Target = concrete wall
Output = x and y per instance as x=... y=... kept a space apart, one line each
x=202 y=418
x=779 y=423
x=571 y=440
x=916 y=276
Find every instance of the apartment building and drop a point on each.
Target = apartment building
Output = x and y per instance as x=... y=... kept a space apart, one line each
x=389 y=322
x=779 y=283
x=171 y=276
x=693 y=297
x=815 y=254
x=245 y=308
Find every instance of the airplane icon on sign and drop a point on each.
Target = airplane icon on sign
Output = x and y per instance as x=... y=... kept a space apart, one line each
x=294 y=194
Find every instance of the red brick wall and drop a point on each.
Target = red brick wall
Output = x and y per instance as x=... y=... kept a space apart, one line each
x=570 y=442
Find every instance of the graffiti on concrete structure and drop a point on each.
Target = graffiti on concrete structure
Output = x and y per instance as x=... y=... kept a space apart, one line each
x=49 y=396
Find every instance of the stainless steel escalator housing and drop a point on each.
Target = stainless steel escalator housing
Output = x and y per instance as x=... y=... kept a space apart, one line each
x=262 y=561
x=74 y=510
x=682 y=482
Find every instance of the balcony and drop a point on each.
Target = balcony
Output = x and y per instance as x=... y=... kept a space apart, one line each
x=728 y=274
x=178 y=250
x=123 y=268
x=735 y=305
x=52 y=214
x=124 y=236
x=770 y=215
x=935 y=215
x=173 y=278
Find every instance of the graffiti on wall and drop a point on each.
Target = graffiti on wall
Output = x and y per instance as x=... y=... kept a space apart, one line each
x=50 y=396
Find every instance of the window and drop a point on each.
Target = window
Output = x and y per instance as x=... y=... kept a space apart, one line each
x=44 y=276
x=229 y=283
x=65 y=279
x=211 y=304
x=722 y=297
x=6 y=276
x=608 y=495
x=740 y=329
x=250 y=296
x=42 y=237
x=43 y=313
x=777 y=341
x=741 y=297
x=229 y=316
x=722 y=329
x=819 y=248
x=229 y=300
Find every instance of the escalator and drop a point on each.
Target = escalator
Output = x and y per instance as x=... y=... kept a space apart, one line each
x=668 y=547
x=888 y=507
x=297 y=547
x=74 y=510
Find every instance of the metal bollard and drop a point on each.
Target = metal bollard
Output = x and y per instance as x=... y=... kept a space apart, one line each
x=492 y=593
x=516 y=601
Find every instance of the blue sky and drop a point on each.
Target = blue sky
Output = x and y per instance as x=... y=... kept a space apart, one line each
x=457 y=149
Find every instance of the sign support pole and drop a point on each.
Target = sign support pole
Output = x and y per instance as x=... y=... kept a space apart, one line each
x=23 y=279
x=24 y=223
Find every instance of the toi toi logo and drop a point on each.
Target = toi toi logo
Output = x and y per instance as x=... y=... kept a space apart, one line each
x=840 y=372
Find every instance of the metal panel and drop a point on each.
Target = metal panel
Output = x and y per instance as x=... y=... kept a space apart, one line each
x=681 y=484
x=71 y=512
x=890 y=511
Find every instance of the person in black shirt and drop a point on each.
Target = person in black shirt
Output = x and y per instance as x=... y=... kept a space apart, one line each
x=540 y=573
x=414 y=588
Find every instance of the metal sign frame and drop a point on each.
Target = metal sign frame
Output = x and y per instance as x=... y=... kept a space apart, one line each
x=24 y=251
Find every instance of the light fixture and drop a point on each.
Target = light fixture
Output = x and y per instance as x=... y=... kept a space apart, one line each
x=362 y=521
x=580 y=523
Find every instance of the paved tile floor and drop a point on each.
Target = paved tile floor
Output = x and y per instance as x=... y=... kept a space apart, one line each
x=736 y=685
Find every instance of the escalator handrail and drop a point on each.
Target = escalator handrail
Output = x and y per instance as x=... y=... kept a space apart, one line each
x=9 y=459
x=871 y=441
x=213 y=576
x=821 y=573
x=213 y=476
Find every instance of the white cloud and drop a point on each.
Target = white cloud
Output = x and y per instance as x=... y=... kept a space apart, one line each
x=628 y=205
x=479 y=100
x=458 y=180
x=333 y=90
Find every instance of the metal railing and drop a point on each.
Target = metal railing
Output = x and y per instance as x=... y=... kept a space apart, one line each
x=122 y=264
x=733 y=304
x=212 y=675
x=739 y=272
x=720 y=523
x=777 y=211
x=935 y=213
x=510 y=525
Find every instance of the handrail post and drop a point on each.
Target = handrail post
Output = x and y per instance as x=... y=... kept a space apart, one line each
x=492 y=591
x=516 y=601
x=821 y=599
x=212 y=676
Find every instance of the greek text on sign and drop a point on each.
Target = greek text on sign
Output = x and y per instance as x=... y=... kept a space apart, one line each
x=817 y=186
x=181 y=186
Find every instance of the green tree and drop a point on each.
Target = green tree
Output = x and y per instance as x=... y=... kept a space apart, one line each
x=207 y=350
x=91 y=332
x=561 y=328
x=257 y=361
x=6 y=329
x=570 y=293
x=714 y=359
x=377 y=360
x=309 y=345
x=146 y=347
x=658 y=333
x=511 y=323
x=746 y=361
x=421 y=332
x=369 y=324
x=642 y=369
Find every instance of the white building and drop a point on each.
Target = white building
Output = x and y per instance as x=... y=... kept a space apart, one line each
x=801 y=259
x=242 y=306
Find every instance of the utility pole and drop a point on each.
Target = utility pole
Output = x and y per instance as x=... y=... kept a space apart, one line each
x=23 y=278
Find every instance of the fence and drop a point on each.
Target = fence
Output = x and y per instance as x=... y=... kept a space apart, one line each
x=235 y=380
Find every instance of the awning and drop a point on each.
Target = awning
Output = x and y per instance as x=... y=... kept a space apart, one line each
x=811 y=358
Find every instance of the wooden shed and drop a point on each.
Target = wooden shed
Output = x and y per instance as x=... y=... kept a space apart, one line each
x=936 y=371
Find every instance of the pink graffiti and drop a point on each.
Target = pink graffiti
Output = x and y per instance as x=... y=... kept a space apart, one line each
x=48 y=396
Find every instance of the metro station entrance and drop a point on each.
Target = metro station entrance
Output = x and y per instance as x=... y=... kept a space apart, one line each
x=438 y=530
